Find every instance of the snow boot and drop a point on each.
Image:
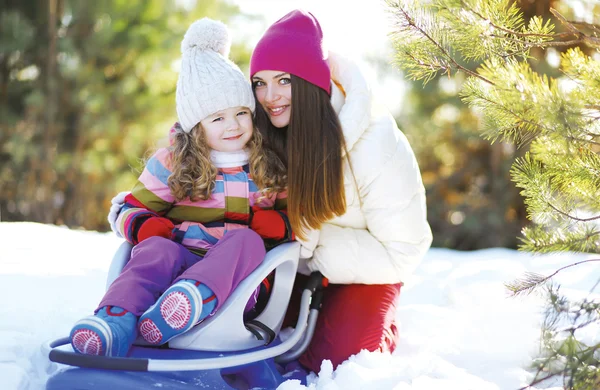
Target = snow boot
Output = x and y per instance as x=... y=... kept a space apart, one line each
x=176 y=311
x=110 y=332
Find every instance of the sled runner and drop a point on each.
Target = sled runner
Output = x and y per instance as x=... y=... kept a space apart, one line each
x=223 y=352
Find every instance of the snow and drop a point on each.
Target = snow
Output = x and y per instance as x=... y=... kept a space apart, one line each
x=460 y=329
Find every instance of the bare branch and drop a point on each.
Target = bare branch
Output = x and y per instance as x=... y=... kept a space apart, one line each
x=594 y=27
x=569 y=266
x=582 y=38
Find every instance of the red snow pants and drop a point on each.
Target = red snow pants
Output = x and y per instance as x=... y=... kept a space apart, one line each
x=353 y=317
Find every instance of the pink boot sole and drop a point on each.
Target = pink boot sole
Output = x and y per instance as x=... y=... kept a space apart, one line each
x=87 y=342
x=150 y=331
x=176 y=310
x=174 y=317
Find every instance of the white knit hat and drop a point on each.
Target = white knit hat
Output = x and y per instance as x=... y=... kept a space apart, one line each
x=208 y=81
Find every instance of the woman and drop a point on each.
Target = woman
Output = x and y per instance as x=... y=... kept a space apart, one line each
x=355 y=197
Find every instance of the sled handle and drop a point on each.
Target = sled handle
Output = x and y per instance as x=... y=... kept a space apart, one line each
x=137 y=364
x=315 y=285
x=92 y=361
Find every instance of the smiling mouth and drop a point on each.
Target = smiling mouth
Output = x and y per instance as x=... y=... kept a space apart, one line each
x=233 y=138
x=277 y=110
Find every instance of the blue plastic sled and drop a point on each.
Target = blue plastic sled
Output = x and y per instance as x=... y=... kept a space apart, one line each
x=222 y=352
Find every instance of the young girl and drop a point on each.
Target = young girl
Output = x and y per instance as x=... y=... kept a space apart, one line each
x=188 y=215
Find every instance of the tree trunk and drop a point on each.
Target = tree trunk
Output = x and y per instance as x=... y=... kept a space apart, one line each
x=47 y=177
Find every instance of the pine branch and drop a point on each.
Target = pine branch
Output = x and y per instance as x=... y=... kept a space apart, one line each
x=551 y=38
x=531 y=280
x=560 y=176
x=519 y=118
x=424 y=33
x=591 y=26
x=585 y=141
x=573 y=329
x=412 y=24
x=506 y=30
x=511 y=39
x=545 y=43
x=595 y=285
x=582 y=38
x=538 y=380
x=555 y=246
x=569 y=43
x=527 y=284
x=570 y=216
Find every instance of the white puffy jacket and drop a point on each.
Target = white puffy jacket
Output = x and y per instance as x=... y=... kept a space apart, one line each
x=384 y=233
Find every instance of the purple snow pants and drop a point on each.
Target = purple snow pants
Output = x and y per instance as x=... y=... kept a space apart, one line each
x=156 y=263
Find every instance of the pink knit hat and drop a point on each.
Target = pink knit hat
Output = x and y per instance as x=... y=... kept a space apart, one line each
x=294 y=44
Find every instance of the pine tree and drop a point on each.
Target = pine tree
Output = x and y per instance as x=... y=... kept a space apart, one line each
x=556 y=119
x=86 y=89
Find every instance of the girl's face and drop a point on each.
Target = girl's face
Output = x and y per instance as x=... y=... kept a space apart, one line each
x=273 y=91
x=228 y=130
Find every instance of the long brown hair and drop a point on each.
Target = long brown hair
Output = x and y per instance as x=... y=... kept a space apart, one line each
x=311 y=148
x=193 y=173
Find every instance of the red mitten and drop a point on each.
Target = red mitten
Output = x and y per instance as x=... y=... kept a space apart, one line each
x=155 y=226
x=269 y=224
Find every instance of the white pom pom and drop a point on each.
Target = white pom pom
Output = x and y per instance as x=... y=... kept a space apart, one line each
x=207 y=34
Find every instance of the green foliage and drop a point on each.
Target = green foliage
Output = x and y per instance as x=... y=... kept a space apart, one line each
x=557 y=118
x=83 y=102
x=564 y=353
x=439 y=36
x=471 y=201
x=16 y=32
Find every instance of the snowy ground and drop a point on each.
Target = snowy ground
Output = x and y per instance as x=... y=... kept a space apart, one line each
x=459 y=328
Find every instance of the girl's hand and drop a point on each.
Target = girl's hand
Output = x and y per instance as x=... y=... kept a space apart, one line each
x=270 y=224
x=155 y=226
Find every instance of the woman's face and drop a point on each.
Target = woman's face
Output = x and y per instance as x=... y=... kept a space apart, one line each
x=274 y=93
x=228 y=130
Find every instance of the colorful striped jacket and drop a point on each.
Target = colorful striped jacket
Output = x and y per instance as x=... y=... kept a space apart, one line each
x=200 y=224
